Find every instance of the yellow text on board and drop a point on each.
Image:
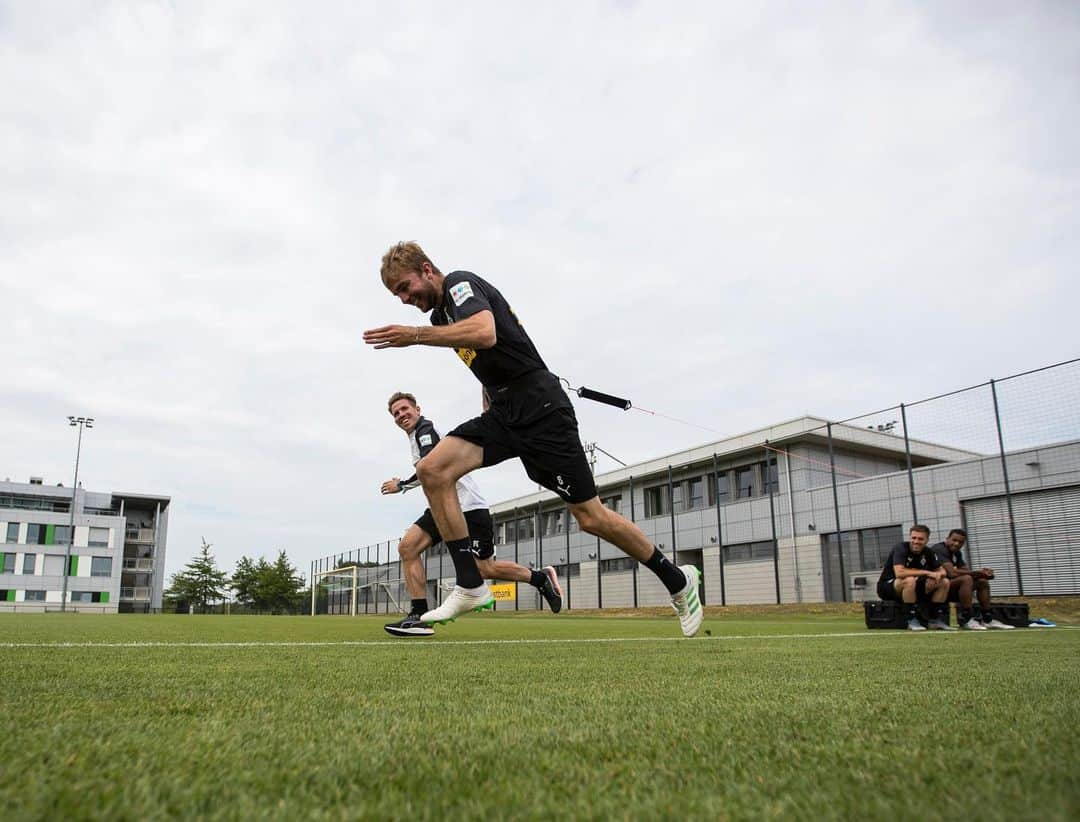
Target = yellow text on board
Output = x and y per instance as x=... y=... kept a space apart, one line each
x=505 y=591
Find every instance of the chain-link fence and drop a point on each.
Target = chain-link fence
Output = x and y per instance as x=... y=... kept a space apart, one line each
x=806 y=512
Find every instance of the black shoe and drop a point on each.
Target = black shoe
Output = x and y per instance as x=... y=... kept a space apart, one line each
x=550 y=590
x=410 y=626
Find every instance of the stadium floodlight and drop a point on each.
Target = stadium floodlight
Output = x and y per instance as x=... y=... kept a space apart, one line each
x=80 y=423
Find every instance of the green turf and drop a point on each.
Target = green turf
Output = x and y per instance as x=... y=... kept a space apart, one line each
x=751 y=722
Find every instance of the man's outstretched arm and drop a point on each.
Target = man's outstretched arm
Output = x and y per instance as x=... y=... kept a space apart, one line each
x=476 y=331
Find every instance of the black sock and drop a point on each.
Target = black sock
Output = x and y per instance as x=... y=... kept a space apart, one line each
x=942 y=611
x=419 y=606
x=674 y=579
x=537 y=579
x=464 y=563
x=965 y=615
x=911 y=610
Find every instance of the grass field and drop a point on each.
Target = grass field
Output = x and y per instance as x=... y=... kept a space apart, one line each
x=775 y=715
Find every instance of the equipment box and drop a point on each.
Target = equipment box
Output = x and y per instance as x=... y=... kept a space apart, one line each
x=889 y=614
x=1011 y=613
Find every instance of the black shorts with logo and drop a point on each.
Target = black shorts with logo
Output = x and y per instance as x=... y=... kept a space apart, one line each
x=534 y=422
x=481 y=531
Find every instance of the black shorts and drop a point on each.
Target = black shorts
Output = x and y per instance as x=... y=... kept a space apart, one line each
x=887 y=591
x=481 y=531
x=548 y=447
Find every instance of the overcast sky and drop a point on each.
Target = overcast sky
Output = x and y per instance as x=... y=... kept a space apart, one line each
x=735 y=213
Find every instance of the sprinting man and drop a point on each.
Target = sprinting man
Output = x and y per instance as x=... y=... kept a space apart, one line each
x=422 y=534
x=913 y=574
x=964 y=581
x=526 y=415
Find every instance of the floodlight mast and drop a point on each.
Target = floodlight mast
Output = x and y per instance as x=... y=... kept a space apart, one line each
x=80 y=423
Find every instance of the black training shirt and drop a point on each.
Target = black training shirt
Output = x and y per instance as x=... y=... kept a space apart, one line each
x=513 y=354
x=943 y=554
x=901 y=554
x=518 y=382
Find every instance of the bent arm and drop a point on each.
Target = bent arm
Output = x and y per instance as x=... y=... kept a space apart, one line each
x=476 y=331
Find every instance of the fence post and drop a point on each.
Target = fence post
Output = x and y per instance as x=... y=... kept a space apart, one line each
x=1008 y=491
x=517 y=586
x=566 y=530
x=671 y=507
x=539 y=542
x=910 y=476
x=836 y=513
x=772 y=521
x=636 y=564
x=719 y=530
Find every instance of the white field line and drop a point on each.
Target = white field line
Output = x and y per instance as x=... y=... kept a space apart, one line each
x=419 y=643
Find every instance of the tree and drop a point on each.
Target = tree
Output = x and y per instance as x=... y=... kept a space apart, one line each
x=201 y=582
x=278 y=584
x=245 y=581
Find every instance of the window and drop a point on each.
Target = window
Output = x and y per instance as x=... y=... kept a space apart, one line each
x=656 y=501
x=744 y=482
x=770 y=479
x=720 y=489
x=28 y=563
x=62 y=535
x=9 y=564
x=618 y=564
x=748 y=551
x=554 y=523
x=865 y=549
x=54 y=565
x=12 y=532
x=82 y=596
x=612 y=502
x=525 y=528
x=34 y=596
x=101 y=567
x=99 y=538
x=678 y=497
x=575 y=570
x=35 y=534
x=695 y=493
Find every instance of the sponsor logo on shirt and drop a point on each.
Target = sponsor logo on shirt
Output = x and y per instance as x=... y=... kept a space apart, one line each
x=460 y=293
x=425 y=439
x=467 y=355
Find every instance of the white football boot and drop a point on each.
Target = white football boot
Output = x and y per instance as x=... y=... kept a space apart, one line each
x=461 y=601
x=687 y=604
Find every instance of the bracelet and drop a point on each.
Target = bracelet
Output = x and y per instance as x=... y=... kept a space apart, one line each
x=417 y=336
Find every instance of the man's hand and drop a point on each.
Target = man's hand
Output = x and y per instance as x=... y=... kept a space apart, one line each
x=393 y=336
x=392 y=486
x=939 y=574
x=988 y=573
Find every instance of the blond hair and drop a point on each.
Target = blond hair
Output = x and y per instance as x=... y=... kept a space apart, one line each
x=402 y=258
x=400 y=395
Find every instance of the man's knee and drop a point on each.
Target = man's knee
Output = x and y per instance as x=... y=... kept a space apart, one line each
x=591 y=518
x=433 y=473
x=408 y=550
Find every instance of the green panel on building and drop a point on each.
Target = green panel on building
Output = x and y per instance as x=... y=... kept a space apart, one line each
x=73 y=569
x=104 y=596
x=50 y=534
x=11 y=595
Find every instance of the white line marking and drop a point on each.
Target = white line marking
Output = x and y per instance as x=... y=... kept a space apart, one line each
x=419 y=643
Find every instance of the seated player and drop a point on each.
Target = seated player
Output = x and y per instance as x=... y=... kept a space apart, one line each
x=423 y=533
x=913 y=574
x=964 y=580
